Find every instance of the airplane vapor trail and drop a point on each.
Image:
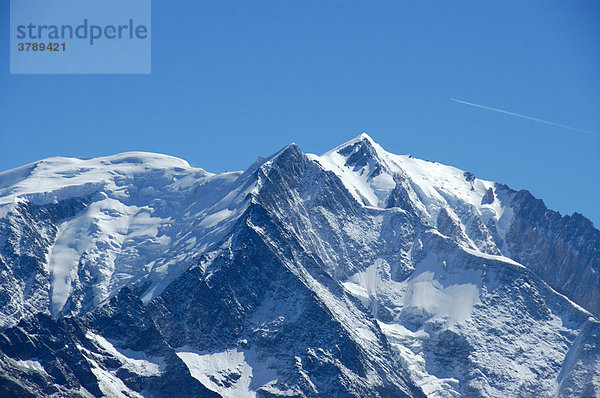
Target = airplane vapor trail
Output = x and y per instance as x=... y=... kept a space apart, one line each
x=489 y=108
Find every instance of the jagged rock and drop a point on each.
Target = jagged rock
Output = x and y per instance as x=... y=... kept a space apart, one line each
x=357 y=273
x=489 y=197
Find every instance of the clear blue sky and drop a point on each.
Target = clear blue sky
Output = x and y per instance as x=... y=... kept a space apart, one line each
x=233 y=80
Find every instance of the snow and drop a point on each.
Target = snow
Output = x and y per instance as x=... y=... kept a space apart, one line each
x=430 y=185
x=31 y=365
x=108 y=381
x=427 y=296
x=215 y=218
x=363 y=285
x=150 y=217
x=110 y=385
x=62 y=261
x=134 y=361
x=435 y=291
x=492 y=257
x=146 y=218
x=410 y=348
x=430 y=292
x=227 y=373
x=359 y=292
x=62 y=173
x=356 y=183
x=114 y=226
x=446 y=295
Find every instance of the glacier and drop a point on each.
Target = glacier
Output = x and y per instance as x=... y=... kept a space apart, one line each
x=353 y=273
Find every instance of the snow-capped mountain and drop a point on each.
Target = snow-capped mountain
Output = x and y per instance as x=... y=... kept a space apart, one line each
x=355 y=273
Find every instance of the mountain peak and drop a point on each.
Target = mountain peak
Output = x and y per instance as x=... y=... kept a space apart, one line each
x=364 y=167
x=360 y=151
x=403 y=270
x=364 y=137
x=361 y=141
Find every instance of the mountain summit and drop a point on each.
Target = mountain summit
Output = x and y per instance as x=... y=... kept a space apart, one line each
x=357 y=273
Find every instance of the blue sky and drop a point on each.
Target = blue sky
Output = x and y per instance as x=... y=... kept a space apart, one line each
x=234 y=80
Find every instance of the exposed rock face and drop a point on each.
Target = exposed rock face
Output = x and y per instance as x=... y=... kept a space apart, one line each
x=27 y=234
x=355 y=274
x=489 y=197
x=71 y=357
x=564 y=251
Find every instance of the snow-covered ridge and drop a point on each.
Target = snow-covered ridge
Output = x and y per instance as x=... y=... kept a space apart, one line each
x=355 y=273
x=145 y=217
x=373 y=176
x=437 y=193
x=58 y=173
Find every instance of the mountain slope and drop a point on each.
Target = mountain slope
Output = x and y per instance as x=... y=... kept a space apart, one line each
x=356 y=273
x=76 y=231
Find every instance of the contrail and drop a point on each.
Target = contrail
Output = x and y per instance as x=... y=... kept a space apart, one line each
x=489 y=108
